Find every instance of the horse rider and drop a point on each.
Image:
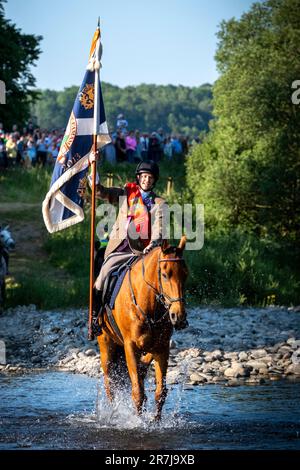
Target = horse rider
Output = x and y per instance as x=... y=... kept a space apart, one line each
x=138 y=228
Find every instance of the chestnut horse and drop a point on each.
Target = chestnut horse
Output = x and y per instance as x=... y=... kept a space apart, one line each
x=149 y=304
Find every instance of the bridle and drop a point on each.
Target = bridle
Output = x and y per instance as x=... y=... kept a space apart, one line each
x=161 y=297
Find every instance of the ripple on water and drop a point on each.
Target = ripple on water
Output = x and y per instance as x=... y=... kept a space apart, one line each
x=64 y=411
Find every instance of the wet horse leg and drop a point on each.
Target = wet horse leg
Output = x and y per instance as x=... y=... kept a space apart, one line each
x=145 y=362
x=132 y=359
x=107 y=350
x=161 y=366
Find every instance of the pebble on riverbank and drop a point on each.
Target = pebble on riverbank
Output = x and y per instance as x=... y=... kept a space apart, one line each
x=38 y=340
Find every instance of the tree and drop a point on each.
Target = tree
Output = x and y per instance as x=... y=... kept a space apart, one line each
x=146 y=107
x=18 y=53
x=250 y=172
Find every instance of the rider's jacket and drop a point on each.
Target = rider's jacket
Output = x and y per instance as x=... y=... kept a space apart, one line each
x=139 y=221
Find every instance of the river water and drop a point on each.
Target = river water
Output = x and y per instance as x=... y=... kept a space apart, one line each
x=59 y=410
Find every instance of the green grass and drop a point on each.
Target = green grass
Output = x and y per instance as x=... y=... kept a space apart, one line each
x=21 y=185
x=231 y=269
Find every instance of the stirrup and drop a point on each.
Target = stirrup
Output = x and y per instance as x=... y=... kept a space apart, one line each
x=97 y=313
x=96 y=328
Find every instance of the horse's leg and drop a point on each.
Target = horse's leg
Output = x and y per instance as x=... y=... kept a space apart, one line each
x=107 y=349
x=132 y=359
x=161 y=366
x=145 y=362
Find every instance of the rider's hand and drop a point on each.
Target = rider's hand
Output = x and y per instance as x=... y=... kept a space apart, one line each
x=148 y=249
x=94 y=156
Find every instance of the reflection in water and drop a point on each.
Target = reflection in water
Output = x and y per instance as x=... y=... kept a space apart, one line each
x=58 y=410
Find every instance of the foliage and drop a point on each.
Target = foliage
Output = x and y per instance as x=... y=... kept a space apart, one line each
x=177 y=109
x=233 y=268
x=247 y=171
x=18 y=53
x=236 y=268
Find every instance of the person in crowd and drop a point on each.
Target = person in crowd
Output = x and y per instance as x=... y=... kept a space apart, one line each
x=122 y=124
x=42 y=150
x=168 y=148
x=184 y=144
x=109 y=152
x=20 y=150
x=11 y=149
x=144 y=140
x=154 y=152
x=138 y=150
x=130 y=146
x=53 y=153
x=120 y=146
x=3 y=154
x=161 y=138
x=31 y=153
x=176 y=144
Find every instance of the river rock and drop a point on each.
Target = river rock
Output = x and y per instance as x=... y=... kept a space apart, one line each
x=197 y=378
x=258 y=353
x=256 y=365
x=173 y=376
x=243 y=356
x=296 y=357
x=90 y=352
x=293 y=369
x=231 y=355
x=237 y=370
x=213 y=355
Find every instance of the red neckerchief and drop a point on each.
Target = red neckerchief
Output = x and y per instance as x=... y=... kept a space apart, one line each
x=137 y=211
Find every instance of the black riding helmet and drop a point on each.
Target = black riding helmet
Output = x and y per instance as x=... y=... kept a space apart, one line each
x=148 y=167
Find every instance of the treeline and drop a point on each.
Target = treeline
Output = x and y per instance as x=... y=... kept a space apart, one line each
x=178 y=109
x=247 y=171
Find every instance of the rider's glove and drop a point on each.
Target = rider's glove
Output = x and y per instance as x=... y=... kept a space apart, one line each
x=94 y=156
x=148 y=248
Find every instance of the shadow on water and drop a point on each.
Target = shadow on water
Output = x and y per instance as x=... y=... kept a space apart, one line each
x=57 y=410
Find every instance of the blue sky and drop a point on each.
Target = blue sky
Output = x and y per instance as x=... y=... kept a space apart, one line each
x=157 y=41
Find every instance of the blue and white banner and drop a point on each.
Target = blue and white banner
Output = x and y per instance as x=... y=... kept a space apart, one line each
x=63 y=204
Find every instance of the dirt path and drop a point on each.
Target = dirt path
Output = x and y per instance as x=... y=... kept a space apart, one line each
x=26 y=225
x=29 y=232
x=18 y=206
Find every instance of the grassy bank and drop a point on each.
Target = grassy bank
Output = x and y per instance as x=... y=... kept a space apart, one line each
x=53 y=270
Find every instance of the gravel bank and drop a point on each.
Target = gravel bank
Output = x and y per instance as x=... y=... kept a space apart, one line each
x=231 y=346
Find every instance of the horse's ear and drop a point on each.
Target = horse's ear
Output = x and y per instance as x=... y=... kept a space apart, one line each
x=164 y=245
x=182 y=243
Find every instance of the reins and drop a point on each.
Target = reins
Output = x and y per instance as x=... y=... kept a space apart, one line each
x=160 y=295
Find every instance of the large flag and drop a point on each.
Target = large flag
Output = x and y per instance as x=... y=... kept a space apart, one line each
x=63 y=204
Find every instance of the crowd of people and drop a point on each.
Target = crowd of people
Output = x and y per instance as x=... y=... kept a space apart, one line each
x=33 y=146
x=28 y=147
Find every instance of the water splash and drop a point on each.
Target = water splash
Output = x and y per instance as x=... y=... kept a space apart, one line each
x=121 y=414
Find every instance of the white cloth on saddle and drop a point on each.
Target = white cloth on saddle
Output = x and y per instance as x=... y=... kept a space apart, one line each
x=112 y=262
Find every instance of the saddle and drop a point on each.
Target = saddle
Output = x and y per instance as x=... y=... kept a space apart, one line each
x=111 y=288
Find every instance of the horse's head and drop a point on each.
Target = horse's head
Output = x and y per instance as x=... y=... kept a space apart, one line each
x=172 y=276
x=6 y=239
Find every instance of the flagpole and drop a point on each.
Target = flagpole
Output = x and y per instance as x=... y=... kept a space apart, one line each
x=93 y=175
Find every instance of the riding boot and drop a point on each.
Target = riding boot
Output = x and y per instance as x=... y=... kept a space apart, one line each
x=97 y=312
